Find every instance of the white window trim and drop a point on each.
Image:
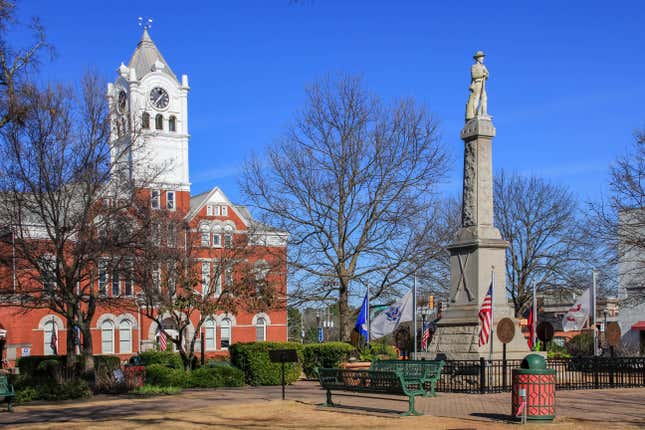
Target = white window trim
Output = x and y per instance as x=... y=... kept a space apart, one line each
x=103 y=330
x=158 y=199
x=264 y=330
x=127 y=350
x=209 y=210
x=230 y=333
x=214 y=332
x=103 y=268
x=48 y=340
x=217 y=212
x=206 y=278
x=224 y=210
x=174 y=200
x=219 y=240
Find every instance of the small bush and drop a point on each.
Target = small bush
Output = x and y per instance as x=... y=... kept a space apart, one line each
x=581 y=345
x=158 y=374
x=155 y=390
x=213 y=377
x=26 y=394
x=253 y=359
x=328 y=354
x=168 y=359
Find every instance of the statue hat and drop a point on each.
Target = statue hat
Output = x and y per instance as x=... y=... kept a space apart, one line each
x=479 y=54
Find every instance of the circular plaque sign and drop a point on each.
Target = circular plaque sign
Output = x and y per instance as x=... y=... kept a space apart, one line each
x=505 y=330
x=545 y=331
x=612 y=333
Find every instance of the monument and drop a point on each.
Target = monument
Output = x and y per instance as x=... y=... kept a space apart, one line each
x=478 y=253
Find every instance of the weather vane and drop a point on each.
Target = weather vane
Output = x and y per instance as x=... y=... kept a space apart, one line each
x=145 y=23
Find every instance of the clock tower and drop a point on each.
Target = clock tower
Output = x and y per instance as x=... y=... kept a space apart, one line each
x=149 y=117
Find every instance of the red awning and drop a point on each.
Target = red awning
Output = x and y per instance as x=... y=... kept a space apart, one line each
x=639 y=326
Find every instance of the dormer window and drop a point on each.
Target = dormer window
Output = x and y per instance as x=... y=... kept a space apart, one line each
x=172 y=123
x=145 y=121
x=159 y=122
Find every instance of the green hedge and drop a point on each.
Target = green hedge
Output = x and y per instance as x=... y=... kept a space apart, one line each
x=158 y=374
x=204 y=377
x=165 y=358
x=328 y=354
x=218 y=376
x=253 y=359
x=29 y=365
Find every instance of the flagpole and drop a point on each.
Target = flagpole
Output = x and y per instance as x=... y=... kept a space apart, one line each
x=593 y=313
x=535 y=316
x=414 y=313
x=367 y=316
x=492 y=314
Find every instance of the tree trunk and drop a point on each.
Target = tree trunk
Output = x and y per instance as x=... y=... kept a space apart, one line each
x=88 y=350
x=343 y=314
x=70 y=359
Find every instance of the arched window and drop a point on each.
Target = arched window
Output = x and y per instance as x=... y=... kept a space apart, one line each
x=159 y=122
x=260 y=330
x=209 y=335
x=225 y=333
x=125 y=337
x=51 y=338
x=107 y=337
x=172 y=123
x=145 y=120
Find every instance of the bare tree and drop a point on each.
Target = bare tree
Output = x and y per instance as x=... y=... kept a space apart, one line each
x=167 y=265
x=548 y=245
x=58 y=194
x=15 y=64
x=353 y=181
x=619 y=220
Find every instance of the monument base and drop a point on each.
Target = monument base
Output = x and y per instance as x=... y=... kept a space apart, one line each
x=459 y=340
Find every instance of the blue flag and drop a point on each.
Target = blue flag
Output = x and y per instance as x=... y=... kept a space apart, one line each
x=361 y=322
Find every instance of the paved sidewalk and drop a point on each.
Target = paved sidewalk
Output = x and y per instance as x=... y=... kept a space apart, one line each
x=616 y=406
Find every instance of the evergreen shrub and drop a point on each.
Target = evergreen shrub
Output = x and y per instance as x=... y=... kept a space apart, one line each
x=328 y=354
x=253 y=359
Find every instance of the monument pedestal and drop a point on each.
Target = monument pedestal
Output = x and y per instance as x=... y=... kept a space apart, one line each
x=477 y=255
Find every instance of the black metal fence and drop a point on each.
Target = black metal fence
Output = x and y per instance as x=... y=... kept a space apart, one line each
x=482 y=376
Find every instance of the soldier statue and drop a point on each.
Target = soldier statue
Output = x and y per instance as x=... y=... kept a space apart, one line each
x=477 y=102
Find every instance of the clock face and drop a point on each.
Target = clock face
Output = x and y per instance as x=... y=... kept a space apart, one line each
x=159 y=98
x=122 y=101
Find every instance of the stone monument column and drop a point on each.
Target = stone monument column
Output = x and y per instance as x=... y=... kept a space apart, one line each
x=478 y=250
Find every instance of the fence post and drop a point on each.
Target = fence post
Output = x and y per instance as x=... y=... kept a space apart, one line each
x=482 y=375
x=596 y=376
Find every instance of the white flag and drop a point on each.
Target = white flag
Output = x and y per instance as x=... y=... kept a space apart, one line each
x=387 y=321
x=578 y=314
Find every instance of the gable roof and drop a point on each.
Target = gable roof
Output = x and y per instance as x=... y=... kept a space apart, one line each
x=197 y=202
x=145 y=55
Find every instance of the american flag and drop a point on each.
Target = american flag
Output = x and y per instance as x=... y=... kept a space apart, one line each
x=53 y=343
x=425 y=337
x=485 y=317
x=162 y=341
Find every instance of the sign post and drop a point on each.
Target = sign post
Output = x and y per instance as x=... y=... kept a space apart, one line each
x=283 y=356
x=505 y=334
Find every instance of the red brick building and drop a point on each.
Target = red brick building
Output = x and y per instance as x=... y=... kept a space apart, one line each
x=148 y=93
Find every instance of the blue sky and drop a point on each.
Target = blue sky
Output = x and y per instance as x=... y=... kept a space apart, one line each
x=566 y=91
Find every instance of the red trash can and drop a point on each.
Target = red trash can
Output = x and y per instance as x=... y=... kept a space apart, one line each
x=538 y=383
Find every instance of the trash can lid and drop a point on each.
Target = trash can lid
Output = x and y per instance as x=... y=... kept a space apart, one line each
x=533 y=361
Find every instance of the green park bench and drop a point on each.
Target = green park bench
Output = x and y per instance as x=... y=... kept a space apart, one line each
x=427 y=371
x=371 y=381
x=6 y=391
